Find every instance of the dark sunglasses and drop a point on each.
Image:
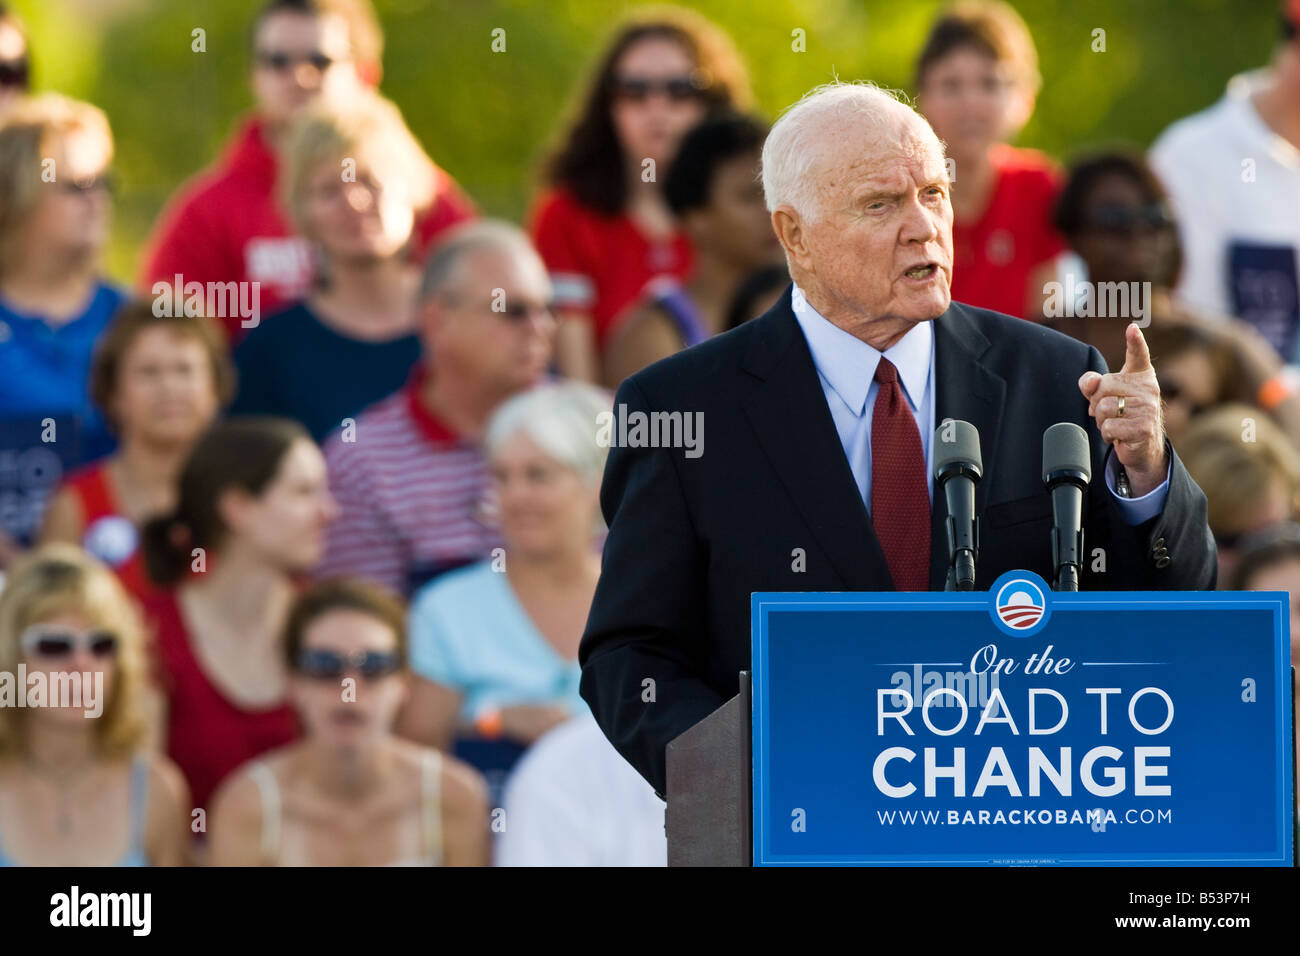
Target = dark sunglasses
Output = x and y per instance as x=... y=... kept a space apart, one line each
x=638 y=89
x=331 y=665
x=48 y=643
x=14 y=73
x=1173 y=391
x=514 y=312
x=279 y=61
x=1128 y=219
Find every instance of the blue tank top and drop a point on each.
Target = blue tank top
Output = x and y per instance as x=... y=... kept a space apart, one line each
x=139 y=803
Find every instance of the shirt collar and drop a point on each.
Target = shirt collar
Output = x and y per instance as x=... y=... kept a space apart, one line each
x=430 y=426
x=849 y=364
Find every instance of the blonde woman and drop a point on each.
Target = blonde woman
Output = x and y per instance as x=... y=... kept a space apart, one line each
x=54 y=300
x=76 y=786
x=354 y=180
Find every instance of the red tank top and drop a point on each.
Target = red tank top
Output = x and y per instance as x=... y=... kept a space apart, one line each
x=208 y=735
x=107 y=533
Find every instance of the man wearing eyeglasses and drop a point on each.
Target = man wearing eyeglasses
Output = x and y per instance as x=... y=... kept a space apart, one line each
x=408 y=474
x=226 y=225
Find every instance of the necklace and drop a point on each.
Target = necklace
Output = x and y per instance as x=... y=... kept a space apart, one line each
x=63 y=784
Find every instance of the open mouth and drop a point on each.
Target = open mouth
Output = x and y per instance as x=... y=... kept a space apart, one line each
x=922 y=272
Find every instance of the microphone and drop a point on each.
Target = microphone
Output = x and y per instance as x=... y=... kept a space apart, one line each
x=957 y=468
x=1067 y=469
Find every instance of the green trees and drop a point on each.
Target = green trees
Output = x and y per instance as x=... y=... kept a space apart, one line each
x=487 y=116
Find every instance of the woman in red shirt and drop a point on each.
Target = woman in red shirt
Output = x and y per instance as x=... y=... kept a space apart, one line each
x=976 y=81
x=251 y=516
x=603 y=226
x=159 y=381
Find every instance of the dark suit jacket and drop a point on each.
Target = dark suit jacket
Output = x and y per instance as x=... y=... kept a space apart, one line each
x=691 y=538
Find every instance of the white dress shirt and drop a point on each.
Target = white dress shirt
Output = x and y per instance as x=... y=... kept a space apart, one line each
x=846 y=366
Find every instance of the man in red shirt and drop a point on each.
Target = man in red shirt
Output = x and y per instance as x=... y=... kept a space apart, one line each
x=226 y=225
x=408 y=473
x=976 y=80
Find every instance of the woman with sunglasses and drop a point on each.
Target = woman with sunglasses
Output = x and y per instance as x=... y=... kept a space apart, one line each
x=250 y=520
x=350 y=793
x=1115 y=216
x=603 y=226
x=356 y=328
x=77 y=785
x=54 y=300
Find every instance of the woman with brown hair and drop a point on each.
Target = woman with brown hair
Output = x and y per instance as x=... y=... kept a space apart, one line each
x=78 y=786
x=603 y=226
x=250 y=519
x=350 y=793
x=159 y=381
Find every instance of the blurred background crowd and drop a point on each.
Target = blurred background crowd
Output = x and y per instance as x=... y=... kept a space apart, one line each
x=300 y=454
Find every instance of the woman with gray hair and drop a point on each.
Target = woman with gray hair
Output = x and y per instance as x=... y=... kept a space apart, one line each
x=495 y=644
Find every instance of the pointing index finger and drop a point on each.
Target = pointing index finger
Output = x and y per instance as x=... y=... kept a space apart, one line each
x=1137 y=357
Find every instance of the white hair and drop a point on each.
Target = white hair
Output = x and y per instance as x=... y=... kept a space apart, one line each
x=562 y=419
x=792 y=145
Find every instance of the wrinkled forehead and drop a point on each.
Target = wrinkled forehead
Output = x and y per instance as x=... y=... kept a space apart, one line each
x=857 y=150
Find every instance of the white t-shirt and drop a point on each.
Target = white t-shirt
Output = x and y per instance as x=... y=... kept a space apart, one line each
x=573 y=800
x=1235 y=188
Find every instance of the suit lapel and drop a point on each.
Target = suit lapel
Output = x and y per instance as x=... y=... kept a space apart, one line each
x=794 y=428
x=964 y=390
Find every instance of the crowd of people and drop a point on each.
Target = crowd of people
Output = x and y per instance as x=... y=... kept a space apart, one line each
x=319 y=497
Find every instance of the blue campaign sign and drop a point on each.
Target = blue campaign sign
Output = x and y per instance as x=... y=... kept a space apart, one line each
x=1022 y=726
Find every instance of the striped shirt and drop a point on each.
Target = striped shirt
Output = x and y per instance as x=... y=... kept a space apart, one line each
x=412 y=495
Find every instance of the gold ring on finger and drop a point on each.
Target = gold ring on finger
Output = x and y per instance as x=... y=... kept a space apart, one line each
x=1121 y=406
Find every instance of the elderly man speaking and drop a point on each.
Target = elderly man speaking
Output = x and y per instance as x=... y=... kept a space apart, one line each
x=819 y=418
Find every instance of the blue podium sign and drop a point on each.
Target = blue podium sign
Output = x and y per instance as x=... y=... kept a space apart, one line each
x=1022 y=726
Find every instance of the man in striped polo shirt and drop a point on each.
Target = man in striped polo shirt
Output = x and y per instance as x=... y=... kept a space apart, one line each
x=408 y=473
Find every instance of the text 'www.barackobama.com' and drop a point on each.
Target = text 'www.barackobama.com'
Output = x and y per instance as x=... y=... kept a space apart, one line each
x=1097 y=819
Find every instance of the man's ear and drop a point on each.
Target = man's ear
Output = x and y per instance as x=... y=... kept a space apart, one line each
x=789 y=227
x=428 y=320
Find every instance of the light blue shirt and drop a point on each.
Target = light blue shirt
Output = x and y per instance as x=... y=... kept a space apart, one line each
x=846 y=366
x=469 y=633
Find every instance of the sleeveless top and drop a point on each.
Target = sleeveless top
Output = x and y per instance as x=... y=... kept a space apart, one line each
x=135 y=855
x=208 y=735
x=108 y=534
x=430 y=813
x=671 y=296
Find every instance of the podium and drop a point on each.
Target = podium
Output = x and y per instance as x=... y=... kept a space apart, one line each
x=1016 y=726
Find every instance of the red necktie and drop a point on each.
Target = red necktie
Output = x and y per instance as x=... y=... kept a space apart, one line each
x=900 y=499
